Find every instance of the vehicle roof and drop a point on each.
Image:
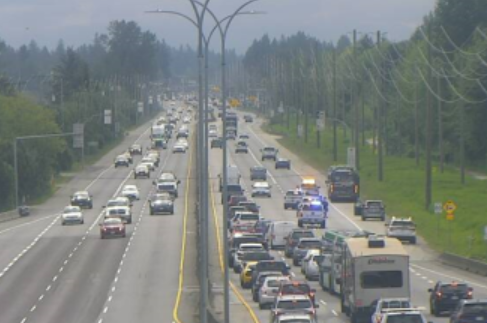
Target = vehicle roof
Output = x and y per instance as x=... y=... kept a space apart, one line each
x=260 y=184
x=74 y=208
x=243 y=245
x=360 y=247
x=81 y=193
x=257 y=167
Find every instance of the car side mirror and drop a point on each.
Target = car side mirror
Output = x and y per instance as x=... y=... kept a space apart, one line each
x=313 y=290
x=153 y=182
x=386 y=224
x=131 y=204
x=430 y=290
x=179 y=182
x=104 y=206
x=317 y=305
x=100 y=224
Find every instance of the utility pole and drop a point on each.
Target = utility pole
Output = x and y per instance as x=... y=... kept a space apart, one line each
x=356 y=107
x=416 y=118
x=335 y=116
x=380 y=131
x=428 y=172
x=440 y=126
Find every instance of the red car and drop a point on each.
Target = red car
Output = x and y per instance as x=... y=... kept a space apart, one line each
x=112 y=227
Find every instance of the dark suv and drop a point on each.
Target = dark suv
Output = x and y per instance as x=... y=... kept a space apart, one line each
x=470 y=311
x=293 y=238
x=444 y=297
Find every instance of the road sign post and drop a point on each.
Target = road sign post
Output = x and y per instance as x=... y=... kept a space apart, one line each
x=351 y=161
x=450 y=208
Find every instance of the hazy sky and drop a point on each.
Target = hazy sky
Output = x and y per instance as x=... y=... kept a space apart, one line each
x=76 y=21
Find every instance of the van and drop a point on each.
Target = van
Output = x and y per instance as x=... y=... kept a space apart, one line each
x=233 y=176
x=278 y=231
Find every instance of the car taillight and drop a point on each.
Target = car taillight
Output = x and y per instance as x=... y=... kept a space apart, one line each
x=311 y=295
x=332 y=188
x=356 y=189
x=438 y=295
x=470 y=294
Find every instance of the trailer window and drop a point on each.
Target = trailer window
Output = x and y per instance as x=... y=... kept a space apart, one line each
x=381 y=279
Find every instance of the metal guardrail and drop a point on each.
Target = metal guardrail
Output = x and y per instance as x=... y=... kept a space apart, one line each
x=470 y=265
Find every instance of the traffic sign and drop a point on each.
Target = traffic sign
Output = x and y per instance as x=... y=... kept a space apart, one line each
x=107 y=116
x=450 y=216
x=300 y=130
x=438 y=208
x=449 y=207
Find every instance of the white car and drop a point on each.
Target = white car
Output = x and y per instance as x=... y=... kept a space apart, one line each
x=131 y=191
x=261 y=189
x=179 y=148
x=386 y=304
x=310 y=266
x=183 y=141
x=72 y=215
x=269 y=290
x=142 y=170
x=212 y=133
x=151 y=162
x=187 y=120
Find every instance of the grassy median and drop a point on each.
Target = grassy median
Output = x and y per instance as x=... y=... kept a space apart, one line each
x=403 y=190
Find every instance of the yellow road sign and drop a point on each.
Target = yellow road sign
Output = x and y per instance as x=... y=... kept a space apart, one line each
x=449 y=206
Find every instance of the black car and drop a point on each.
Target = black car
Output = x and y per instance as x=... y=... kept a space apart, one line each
x=248 y=118
x=283 y=163
x=122 y=161
x=444 y=297
x=236 y=240
x=470 y=311
x=270 y=265
x=161 y=205
x=82 y=199
x=217 y=143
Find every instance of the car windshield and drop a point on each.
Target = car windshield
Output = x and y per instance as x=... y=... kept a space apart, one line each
x=403 y=224
x=272 y=265
x=396 y=304
x=269 y=150
x=295 y=288
x=295 y=304
x=343 y=176
x=454 y=289
x=303 y=234
x=310 y=244
x=294 y=193
x=405 y=318
x=256 y=256
x=295 y=321
x=165 y=187
x=79 y=196
x=313 y=207
x=274 y=282
x=112 y=221
x=116 y=203
x=475 y=308
x=117 y=211
x=71 y=209
x=249 y=216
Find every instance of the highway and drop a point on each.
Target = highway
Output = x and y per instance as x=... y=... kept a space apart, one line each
x=424 y=268
x=52 y=273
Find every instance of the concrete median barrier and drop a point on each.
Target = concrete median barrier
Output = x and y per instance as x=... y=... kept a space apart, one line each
x=470 y=265
x=8 y=216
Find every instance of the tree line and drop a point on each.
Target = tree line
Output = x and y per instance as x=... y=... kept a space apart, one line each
x=423 y=98
x=46 y=91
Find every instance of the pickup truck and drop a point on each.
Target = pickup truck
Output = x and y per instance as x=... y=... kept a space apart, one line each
x=292 y=199
x=269 y=153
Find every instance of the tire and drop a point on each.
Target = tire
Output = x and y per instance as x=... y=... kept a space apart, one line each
x=255 y=297
x=364 y=218
x=412 y=241
x=261 y=306
x=295 y=262
x=300 y=224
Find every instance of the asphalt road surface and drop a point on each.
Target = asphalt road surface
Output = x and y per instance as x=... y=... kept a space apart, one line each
x=424 y=268
x=58 y=274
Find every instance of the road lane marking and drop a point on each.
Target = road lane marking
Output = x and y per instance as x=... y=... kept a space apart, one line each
x=175 y=311
x=220 y=257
